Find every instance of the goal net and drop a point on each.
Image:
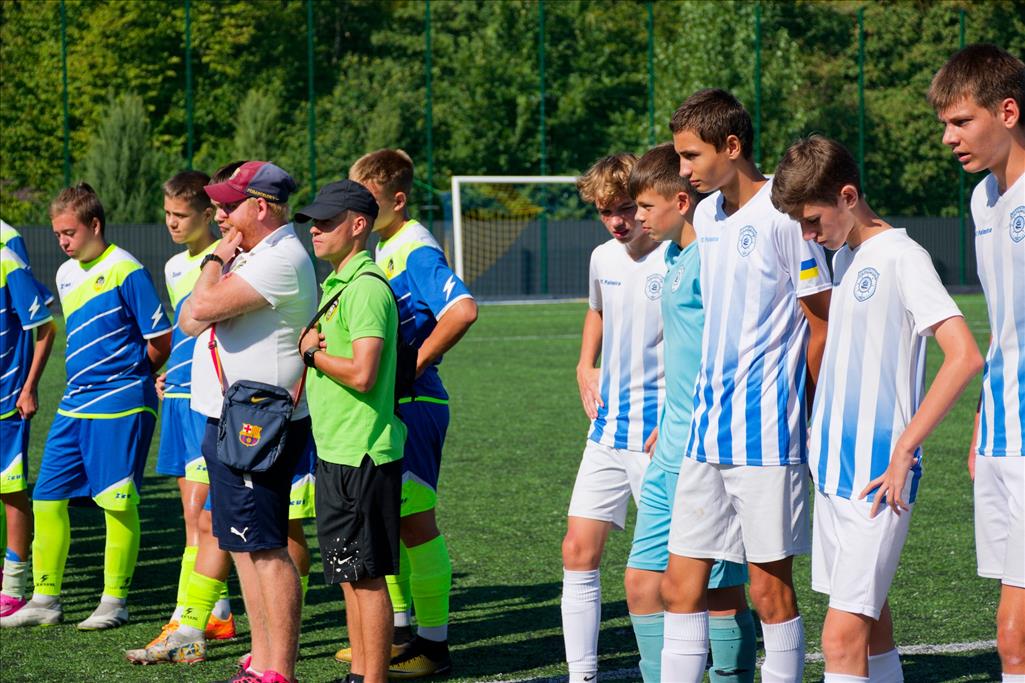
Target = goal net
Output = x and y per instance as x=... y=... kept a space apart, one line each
x=522 y=237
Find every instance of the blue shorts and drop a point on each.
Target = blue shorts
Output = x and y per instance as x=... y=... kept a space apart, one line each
x=301 y=499
x=250 y=510
x=181 y=439
x=426 y=425
x=13 y=454
x=650 y=550
x=103 y=459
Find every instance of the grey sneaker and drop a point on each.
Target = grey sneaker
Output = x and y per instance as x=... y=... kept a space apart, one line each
x=33 y=613
x=174 y=649
x=107 y=615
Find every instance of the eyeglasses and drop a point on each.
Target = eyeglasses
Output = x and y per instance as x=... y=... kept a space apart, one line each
x=229 y=209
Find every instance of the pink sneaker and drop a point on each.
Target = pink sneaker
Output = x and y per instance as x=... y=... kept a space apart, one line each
x=274 y=677
x=9 y=605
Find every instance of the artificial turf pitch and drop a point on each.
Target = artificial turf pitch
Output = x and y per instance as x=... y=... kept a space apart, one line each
x=513 y=448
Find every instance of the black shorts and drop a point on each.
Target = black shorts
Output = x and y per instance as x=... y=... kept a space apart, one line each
x=358 y=519
x=250 y=510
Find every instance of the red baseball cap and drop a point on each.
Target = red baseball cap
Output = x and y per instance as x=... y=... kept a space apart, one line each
x=253 y=179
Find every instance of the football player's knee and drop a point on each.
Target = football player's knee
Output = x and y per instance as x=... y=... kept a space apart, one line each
x=578 y=551
x=842 y=644
x=1011 y=641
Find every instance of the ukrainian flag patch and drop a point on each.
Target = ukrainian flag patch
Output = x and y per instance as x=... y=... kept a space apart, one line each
x=809 y=269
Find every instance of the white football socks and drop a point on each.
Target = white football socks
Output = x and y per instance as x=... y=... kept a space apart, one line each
x=844 y=678
x=885 y=668
x=581 y=619
x=685 y=647
x=784 y=652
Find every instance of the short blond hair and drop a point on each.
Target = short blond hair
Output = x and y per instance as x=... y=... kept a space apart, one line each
x=607 y=179
x=389 y=169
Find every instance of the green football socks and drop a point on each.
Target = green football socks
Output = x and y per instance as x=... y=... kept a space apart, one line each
x=430 y=583
x=304 y=585
x=122 y=550
x=200 y=596
x=50 y=545
x=398 y=585
x=733 y=648
x=188 y=564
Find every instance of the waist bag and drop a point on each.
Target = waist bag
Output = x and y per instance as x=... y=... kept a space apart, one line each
x=254 y=419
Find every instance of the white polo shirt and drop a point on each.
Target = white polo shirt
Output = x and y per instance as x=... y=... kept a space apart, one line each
x=261 y=345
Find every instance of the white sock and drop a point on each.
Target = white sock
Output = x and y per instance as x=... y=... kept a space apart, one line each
x=784 y=652
x=581 y=619
x=176 y=615
x=885 y=668
x=222 y=608
x=45 y=600
x=1013 y=678
x=15 y=577
x=111 y=600
x=402 y=618
x=844 y=678
x=685 y=646
x=190 y=632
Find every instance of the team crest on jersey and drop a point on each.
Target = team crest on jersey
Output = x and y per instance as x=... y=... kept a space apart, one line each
x=1018 y=224
x=249 y=435
x=865 y=285
x=746 y=241
x=331 y=311
x=677 y=280
x=98 y=285
x=653 y=287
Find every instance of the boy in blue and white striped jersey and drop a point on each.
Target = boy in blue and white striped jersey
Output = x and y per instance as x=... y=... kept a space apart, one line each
x=870 y=415
x=623 y=398
x=742 y=492
x=979 y=95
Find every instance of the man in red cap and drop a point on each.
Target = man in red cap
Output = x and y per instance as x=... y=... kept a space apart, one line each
x=255 y=293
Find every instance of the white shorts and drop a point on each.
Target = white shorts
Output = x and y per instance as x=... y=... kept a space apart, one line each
x=854 y=557
x=606 y=480
x=1000 y=518
x=740 y=513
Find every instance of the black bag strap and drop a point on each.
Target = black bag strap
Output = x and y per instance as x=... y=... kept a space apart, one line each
x=333 y=299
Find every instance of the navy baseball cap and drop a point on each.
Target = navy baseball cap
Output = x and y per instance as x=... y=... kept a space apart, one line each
x=333 y=198
x=254 y=179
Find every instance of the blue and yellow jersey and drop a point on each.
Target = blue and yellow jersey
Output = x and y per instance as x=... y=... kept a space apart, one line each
x=111 y=308
x=180 y=274
x=12 y=239
x=21 y=310
x=425 y=287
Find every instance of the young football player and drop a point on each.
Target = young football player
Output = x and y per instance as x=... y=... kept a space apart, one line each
x=665 y=208
x=743 y=486
x=979 y=95
x=623 y=327
x=871 y=413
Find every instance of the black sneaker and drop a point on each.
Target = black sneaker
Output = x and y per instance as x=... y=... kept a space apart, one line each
x=423 y=658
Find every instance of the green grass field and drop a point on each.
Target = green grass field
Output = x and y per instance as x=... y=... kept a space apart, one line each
x=513 y=448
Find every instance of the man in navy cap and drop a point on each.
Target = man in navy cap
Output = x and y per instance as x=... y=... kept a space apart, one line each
x=255 y=293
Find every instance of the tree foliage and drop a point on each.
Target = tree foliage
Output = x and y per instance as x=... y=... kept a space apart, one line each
x=250 y=82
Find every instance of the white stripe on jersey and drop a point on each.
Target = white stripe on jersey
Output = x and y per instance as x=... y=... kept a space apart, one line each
x=628 y=294
x=748 y=403
x=887 y=296
x=1000 y=254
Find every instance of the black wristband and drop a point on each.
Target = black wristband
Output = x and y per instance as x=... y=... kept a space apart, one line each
x=210 y=257
x=308 y=357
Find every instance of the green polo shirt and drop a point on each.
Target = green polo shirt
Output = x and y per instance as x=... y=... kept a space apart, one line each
x=347 y=424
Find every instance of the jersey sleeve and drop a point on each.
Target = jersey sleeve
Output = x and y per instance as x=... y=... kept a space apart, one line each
x=923 y=295
x=593 y=285
x=803 y=261
x=28 y=298
x=17 y=245
x=365 y=306
x=140 y=297
x=434 y=281
x=273 y=274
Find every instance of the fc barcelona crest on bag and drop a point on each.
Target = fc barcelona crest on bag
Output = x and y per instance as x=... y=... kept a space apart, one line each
x=249 y=435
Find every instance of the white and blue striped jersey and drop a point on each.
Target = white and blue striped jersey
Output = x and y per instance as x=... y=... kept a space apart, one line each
x=12 y=239
x=749 y=398
x=886 y=299
x=22 y=309
x=111 y=308
x=628 y=295
x=1000 y=253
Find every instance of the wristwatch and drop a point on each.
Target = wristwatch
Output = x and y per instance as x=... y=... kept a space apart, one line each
x=208 y=258
x=308 y=357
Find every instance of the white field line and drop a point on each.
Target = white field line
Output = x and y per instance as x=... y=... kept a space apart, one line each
x=949 y=648
x=524 y=337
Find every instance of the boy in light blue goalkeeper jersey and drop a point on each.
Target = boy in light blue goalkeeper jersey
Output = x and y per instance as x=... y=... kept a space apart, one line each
x=742 y=492
x=665 y=207
x=22 y=313
x=117 y=336
x=871 y=412
x=979 y=95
